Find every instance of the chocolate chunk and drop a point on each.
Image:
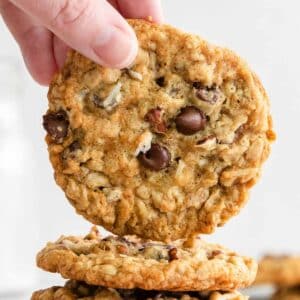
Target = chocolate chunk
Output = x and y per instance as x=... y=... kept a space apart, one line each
x=190 y=120
x=173 y=254
x=155 y=118
x=156 y=158
x=208 y=94
x=56 y=124
x=160 y=81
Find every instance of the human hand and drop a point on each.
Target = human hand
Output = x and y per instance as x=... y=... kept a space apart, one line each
x=46 y=29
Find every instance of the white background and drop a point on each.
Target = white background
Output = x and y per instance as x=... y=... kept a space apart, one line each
x=33 y=209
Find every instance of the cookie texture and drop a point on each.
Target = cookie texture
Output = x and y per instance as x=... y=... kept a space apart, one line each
x=80 y=290
x=166 y=148
x=279 y=270
x=128 y=262
x=288 y=293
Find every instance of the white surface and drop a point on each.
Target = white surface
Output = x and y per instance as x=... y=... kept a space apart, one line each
x=266 y=34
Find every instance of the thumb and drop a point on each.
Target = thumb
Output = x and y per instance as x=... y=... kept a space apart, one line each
x=92 y=27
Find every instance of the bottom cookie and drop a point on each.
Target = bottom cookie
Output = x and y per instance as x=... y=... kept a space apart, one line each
x=130 y=263
x=74 y=290
x=288 y=293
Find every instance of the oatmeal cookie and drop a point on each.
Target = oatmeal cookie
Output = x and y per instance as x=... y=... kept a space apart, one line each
x=279 y=270
x=287 y=293
x=129 y=262
x=166 y=148
x=74 y=290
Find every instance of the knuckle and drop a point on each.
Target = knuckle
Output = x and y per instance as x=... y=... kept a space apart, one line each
x=71 y=12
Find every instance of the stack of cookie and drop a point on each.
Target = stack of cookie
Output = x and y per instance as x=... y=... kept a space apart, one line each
x=283 y=272
x=156 y=154
x=143 y=270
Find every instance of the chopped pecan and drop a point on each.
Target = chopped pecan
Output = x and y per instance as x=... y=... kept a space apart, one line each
x=155 y=118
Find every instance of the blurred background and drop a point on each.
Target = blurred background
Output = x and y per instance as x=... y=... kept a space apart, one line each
x=34 y=210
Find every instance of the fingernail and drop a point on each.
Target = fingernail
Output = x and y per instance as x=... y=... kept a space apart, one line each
x=116 y=48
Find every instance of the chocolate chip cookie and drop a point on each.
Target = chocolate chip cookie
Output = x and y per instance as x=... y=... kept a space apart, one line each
x=279 y=270
x=166 y=148
x=128 y=263
x=74 y=290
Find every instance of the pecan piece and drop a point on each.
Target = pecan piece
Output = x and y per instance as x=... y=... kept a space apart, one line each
x=173 y=254
x=155 y=118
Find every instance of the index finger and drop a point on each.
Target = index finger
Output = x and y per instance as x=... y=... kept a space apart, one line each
x=137 y=9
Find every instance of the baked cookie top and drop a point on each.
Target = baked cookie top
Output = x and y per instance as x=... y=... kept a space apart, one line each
x=128 y=262
x=279 y=270
x=287 y=293
x=166 y=148
x=80 y=290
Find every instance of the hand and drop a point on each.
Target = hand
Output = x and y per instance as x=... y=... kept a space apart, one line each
x=44 y=29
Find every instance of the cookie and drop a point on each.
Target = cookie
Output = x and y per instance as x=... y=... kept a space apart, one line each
x=165 y=149
x=279 y=270
x=290 y=293
x=129 y=262
x=78 y=290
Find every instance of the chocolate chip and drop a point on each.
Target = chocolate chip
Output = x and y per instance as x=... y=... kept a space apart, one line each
x=173 y=254
x=190 y=120
x=197 y=85
x=208 y=94
x=155 y=118
x=155 y=159
x=160 y=81
x=56 y=124
x=70 y=152
x=74 y=146
x=177 y=159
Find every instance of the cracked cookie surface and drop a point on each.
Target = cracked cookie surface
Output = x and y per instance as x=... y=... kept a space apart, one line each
x=128 y=262
x=281 y=270
x=74 y=290
x=165 y=149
